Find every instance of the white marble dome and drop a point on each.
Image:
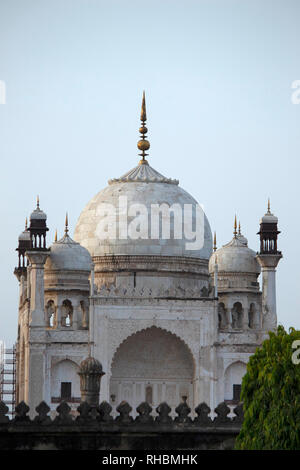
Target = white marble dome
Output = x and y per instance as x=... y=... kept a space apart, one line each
x=141 y=185
x=38 y=214
x=235 y=257
x=67 y=255
x=25 y=235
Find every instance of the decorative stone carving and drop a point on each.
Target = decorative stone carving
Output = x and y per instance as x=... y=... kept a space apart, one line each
x=159 y=292
x=21 y=413
x=144 y=410
x=64 y=417
x=222 y=411
x=124 y=409
x=163 y=411
x=104 y=410
x=84 y=410
x=203 y=411
x=183 y=411
x=42 y=417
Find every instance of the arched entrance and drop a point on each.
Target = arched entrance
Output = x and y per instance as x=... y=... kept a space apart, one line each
x=152 y=365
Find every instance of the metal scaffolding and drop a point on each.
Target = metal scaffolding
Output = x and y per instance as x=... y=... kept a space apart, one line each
x=8 y=376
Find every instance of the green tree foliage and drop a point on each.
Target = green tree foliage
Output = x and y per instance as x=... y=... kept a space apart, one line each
x=271 y=395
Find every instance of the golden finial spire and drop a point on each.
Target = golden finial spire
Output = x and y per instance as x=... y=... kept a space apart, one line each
x=239 y=233
x=269 y=211
x=143 y=144
x=55 y=237
x=143 y=110
x=66 y=224
x=26 y=223
x=215 y=241
x=37 y=202
x=235 y=226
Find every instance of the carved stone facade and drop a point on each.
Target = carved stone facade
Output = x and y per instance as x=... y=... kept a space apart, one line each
x=165 y=323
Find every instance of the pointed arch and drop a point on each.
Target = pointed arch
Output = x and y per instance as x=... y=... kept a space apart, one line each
x=152 y=327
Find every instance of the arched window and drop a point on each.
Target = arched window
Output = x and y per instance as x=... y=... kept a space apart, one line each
x=237 y=316
x=65 y=383
x=67 y=313
x=233 y=379
x=222 y=317
x=50 y=314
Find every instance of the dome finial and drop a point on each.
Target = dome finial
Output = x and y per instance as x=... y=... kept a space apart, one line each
x=37 y=202
x=235 y=226
x=215 y=241
x=269 y=211
x=143 y=144
x=55 y=237
x=26 y=223
x=239 y=233
x=66 y=224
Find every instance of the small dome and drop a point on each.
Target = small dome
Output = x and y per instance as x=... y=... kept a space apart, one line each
x=90 y=365
x=38 y=214
x=24 y=236
x=65 y=254
x=235 y=257
x=269 y=218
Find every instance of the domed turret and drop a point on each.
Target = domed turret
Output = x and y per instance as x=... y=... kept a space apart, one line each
x=66 y=254
x=235 y=257
x=68 y=262
x=90 y=373
x=268 y=233
x=25 y=235
x=38 y=228
x=24 y=244
x=234 y=271
x=90 y=365
x=237 y=265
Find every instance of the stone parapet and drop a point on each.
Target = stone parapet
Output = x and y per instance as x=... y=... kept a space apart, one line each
x=100 y=431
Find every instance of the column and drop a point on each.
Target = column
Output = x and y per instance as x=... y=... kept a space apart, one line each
x=37 y=261
x=268 y=264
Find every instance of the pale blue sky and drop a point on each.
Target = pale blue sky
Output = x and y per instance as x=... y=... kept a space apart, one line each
x=217 y=75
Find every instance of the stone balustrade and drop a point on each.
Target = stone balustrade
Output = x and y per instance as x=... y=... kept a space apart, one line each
x=94 y=427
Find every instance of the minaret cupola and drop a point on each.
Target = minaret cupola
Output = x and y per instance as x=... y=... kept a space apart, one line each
x=268 y=233
x=268 y=258
x=24 y=244
x=38 y=228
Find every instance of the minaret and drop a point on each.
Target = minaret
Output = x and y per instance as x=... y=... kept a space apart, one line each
x=37 y=254
x=268 y=258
